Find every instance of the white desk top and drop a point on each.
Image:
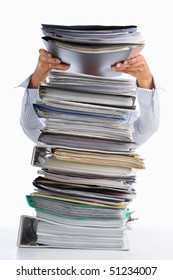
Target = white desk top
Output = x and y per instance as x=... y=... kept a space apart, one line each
x=145 y=244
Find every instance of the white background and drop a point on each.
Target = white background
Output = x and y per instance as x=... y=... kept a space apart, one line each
x=20 y=42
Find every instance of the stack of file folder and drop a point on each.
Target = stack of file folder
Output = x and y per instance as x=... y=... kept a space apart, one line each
x=92 y=49
x=86 y=163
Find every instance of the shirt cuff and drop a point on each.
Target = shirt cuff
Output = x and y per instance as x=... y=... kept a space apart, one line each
x=145 y=96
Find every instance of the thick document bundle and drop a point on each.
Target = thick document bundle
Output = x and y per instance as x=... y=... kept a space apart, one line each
x=92 y=49
x=93 y=34
x=38 y=232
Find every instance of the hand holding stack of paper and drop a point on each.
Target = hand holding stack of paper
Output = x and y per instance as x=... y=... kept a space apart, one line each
x=92 y=49
x=86 y=158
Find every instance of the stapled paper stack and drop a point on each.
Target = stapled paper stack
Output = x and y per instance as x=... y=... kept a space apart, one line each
x=87 y=162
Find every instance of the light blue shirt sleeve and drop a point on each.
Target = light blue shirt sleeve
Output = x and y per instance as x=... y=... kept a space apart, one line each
x=29 y=120
x=146 y=123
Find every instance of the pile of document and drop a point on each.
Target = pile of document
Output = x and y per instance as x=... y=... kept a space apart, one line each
x=86 y=163
x=92 y=49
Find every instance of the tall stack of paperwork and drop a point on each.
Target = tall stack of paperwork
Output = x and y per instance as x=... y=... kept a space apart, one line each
x=86 y=159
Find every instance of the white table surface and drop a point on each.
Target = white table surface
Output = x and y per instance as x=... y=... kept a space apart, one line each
x=145 y=244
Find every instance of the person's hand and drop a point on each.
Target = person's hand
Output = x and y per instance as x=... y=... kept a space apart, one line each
x=138 y=68
x=46 y=62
